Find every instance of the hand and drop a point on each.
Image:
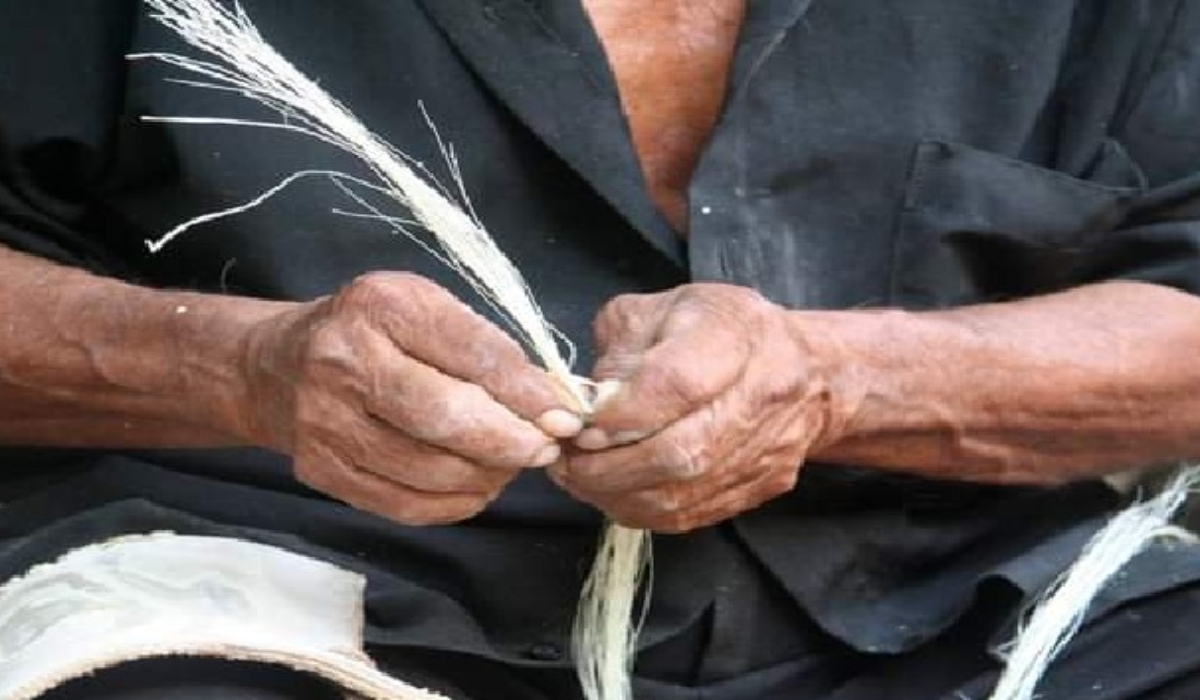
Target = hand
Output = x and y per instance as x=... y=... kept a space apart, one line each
x=718 y=405
x=395 y=397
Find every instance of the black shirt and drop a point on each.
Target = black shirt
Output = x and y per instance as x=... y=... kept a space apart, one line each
x=922 y=154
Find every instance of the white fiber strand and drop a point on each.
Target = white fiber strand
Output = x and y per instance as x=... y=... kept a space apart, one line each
x=605 y=634
x=245 y=64
x=164 y=240
x=1060 y=611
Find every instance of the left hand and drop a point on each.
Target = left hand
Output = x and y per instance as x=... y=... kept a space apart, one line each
x=719 y=402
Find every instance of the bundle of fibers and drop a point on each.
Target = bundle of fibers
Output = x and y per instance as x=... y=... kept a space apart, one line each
x=1056 y=616
x=242 y=62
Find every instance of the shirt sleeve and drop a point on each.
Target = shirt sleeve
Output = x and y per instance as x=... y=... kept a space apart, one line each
x=62 y=69
x=1160 y=239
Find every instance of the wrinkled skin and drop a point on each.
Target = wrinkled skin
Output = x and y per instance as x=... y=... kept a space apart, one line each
x=717 y=408
x=725 y=395
x=395 y=397
x=716 y=412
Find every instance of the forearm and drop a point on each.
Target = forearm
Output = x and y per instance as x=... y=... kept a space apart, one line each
x=1044 y=390
x=89 y=361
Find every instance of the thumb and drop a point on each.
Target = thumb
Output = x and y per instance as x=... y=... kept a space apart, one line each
x=625 y=329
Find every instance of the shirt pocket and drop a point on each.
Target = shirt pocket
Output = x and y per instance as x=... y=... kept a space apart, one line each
x=976 y=226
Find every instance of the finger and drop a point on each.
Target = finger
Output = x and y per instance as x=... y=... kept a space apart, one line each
x=456 y=416
x=684 y=510
x=687 y=476
x=423 y=403
x=433 y=326
x=734 y=501
x=683 y=451
x=719 y=436
x=693 y=363
x=330 y=473
x=624 y=329
x=358 y=438
x=398 y=458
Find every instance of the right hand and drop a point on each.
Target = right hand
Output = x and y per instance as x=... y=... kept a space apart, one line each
x=395 y=397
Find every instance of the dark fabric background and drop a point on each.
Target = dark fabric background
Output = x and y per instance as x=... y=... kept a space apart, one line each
x=920 y=154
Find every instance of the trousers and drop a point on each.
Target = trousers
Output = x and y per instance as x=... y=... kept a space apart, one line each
x=1143 y=650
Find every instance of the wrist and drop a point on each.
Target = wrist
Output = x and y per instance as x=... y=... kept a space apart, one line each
x=846 y=351
x=215 y=339
x=167 y=356
x=900 y=383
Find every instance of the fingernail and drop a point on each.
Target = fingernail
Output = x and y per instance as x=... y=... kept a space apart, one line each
x=549 y=455
x=560 y=424
x=592 y=439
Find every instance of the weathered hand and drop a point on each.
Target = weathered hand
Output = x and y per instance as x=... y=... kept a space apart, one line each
x=396 y=398
x=717 y=407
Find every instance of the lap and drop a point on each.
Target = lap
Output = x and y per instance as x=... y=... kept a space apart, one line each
x=1138 y=643
x=1142 y=650
x=1139 y=648
x=1145 y=649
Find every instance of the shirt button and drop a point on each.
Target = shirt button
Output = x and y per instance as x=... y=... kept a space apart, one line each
x=544 y=651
